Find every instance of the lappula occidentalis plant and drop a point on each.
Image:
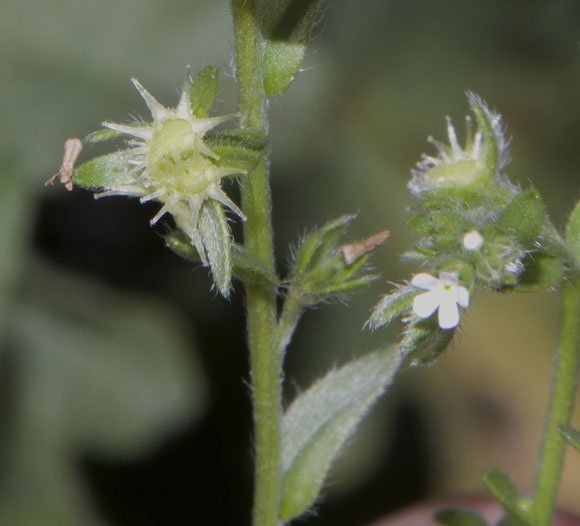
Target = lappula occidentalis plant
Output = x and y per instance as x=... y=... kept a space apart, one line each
x=475 y=230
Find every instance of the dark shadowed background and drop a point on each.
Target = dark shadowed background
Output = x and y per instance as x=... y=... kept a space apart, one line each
x=122 y=394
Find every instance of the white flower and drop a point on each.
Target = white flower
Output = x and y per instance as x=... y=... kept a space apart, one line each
x=443 y=294
x=472 y=241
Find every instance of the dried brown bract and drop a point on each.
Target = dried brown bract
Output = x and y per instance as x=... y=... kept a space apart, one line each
x=352 y=252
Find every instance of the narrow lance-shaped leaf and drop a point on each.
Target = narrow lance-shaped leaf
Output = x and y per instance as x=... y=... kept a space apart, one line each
x=103 y=172
x=217 y=240
x=570 y=435
x=319 y=422
x=286 y=26
x=503 y=489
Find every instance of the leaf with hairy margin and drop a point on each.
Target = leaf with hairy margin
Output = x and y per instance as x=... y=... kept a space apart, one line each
x=318 y=423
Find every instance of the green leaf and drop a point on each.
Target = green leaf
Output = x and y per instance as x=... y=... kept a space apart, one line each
x=104 y=171
x=320 y=421
x=524 y=216
x=203 y=91
x=217 y=240
x=572 y=436
x=573 y=234
x=392 y=306
x=286 y=26
x=503 y=489
x=104 y=134
x=541 y=272
x=452 y=517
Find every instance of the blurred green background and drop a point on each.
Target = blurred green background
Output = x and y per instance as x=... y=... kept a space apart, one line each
x=122 y=374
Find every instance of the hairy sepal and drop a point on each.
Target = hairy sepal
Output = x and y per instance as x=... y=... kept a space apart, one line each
x=217 y=241
x=203 y=91
x=392 y=306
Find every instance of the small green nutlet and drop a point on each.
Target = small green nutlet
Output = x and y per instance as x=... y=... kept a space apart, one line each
x=168 y=161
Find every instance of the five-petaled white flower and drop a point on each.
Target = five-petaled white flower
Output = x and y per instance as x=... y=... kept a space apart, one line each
x=444 y=294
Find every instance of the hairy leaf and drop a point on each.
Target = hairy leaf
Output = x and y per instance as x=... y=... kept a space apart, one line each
x=319 y=422
x=103 y=171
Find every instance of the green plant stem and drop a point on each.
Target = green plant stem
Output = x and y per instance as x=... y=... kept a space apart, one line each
x=562 y=395
x=265 y=360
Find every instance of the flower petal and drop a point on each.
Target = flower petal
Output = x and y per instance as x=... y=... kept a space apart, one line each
x=463 y=297
x=424 y=281
x=425 y=304
x=448 y=314
x=448 y=279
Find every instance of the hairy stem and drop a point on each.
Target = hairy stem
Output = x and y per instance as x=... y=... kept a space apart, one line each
x=265 y=360
x=562 y=394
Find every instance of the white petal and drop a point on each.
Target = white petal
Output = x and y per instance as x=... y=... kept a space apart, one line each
x=449 y=279
x=448 y=314
x=463 y=297
x=425 y=304
x=424 y=281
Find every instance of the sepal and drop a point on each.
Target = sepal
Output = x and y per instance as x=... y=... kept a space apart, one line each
x=217 y=241
x=392 y=306
x=323 y=269
x=203 y=91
